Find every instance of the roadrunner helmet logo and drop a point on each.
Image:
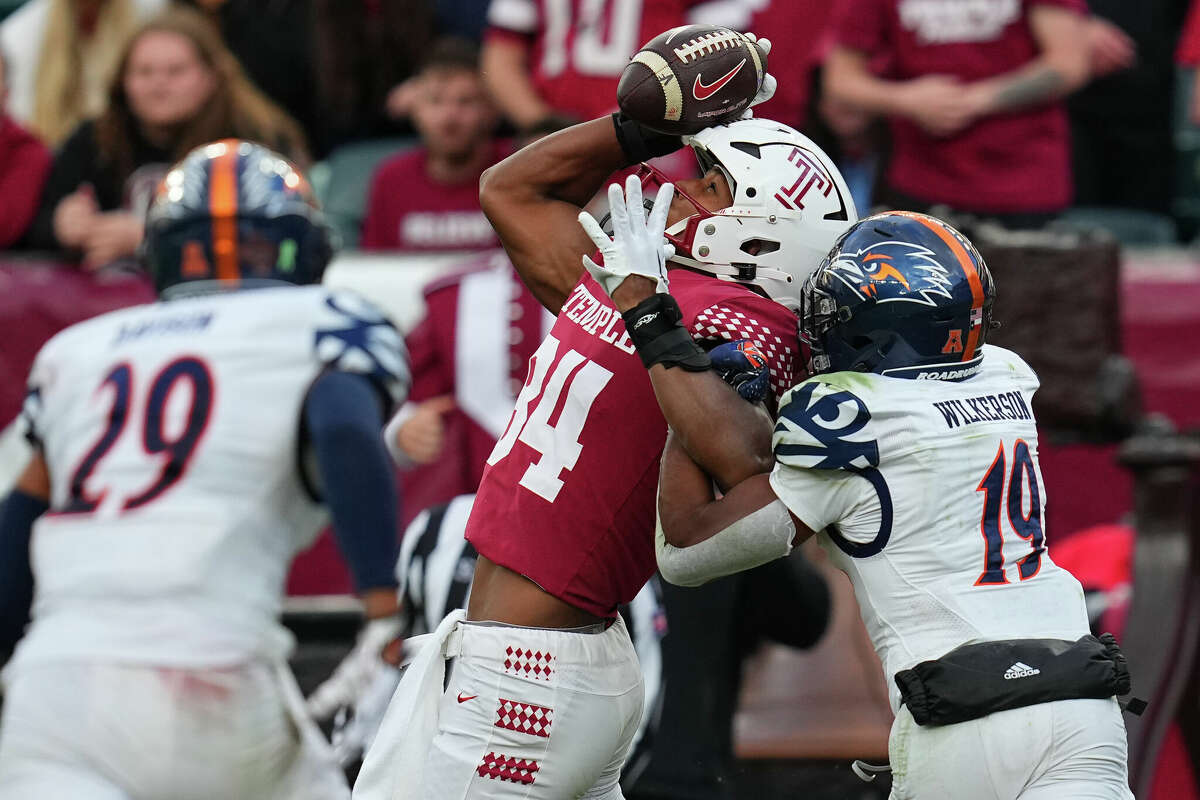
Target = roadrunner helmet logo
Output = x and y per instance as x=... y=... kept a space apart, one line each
x=894 y=271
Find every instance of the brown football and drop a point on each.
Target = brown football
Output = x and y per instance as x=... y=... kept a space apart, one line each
x=690 y=78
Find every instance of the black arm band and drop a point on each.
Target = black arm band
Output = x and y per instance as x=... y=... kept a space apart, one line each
x=641 y=143
x=654 y=328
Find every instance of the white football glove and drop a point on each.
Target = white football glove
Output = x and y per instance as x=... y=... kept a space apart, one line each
x=769 y=84
x=358 y=670
x=638 y=245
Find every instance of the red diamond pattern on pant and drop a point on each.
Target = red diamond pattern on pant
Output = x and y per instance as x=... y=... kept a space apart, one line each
x=536 y=664
x=506 y=768
x=524 y=717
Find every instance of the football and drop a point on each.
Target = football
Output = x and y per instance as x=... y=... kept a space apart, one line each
x=690 y=78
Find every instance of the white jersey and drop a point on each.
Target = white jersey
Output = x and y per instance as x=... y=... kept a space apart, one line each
x=172 y=433
x=928 y=495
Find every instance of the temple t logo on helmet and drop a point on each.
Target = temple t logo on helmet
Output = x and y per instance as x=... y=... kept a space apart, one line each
x=900 y=294
x=790 y=204
x=233 y=213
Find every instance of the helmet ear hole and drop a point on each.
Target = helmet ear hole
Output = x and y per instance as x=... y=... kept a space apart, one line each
x=759 y=247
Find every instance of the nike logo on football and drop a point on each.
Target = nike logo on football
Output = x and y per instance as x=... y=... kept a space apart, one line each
x=464 y=698
x=702 y=91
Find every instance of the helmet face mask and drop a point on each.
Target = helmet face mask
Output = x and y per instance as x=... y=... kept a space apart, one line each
x=789 y=205
x=233 y=214
x=900 y=294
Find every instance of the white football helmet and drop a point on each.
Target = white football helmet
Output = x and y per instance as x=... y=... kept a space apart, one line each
x=790 y=204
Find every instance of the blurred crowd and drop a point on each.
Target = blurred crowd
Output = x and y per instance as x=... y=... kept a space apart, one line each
x=1017 y=110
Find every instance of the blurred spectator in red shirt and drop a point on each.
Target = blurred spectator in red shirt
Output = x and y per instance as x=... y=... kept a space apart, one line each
x=176 y=87
x=973 y=96
x=428 y=198
x=61 y=56
x=24 y=163
x=1121 y=123
x=564 y=57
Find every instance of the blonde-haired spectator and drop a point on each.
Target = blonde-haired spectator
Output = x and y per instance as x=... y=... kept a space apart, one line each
x=61 y=56
x=176 y=87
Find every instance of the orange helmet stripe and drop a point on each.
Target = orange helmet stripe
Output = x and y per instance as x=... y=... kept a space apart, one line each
x=222 y=206
x=968 y=267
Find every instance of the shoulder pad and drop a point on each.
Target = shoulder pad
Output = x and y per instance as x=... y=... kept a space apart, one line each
x=352 y=335
x=824 y=427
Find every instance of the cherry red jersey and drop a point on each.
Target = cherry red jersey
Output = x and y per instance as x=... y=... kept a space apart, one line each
x=577 y=48
x=569 y=494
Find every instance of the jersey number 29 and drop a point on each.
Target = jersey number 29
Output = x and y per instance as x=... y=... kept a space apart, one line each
x=176 y=449
x=558 y=442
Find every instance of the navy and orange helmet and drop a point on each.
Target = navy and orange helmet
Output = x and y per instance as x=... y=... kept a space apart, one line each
x=234 y=213
x=900 y=294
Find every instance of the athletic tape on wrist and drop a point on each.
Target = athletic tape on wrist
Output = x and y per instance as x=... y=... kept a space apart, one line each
x=640 y=143
x=653 y=327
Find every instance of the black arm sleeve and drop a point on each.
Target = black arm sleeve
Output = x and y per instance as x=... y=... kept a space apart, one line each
x=343 y=417
x=17 y=515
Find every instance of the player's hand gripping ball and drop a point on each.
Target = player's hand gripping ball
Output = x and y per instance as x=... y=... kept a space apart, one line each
x=743 y=366
x=693 y=77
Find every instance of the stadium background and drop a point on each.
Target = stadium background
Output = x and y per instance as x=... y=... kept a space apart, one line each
x=1104 y=302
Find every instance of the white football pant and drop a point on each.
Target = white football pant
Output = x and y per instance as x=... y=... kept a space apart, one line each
x=531 y=713
x=98 y=731
x=1065 y=750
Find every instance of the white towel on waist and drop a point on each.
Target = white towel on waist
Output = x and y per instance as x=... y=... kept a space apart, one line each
x=393 y=767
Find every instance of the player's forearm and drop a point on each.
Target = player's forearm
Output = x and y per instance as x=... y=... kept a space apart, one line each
x=533 y=197
x=568 y=166
x=727 y=437
x=343 y=415
x=701 y=538
x=17 y=515
x=689 y=510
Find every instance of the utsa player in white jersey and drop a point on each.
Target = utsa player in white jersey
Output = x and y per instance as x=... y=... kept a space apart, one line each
x=185 y=451
x=434 y=571
x=912 y=453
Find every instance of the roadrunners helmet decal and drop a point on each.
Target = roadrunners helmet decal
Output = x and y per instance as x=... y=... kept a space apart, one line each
x=900 y=294
x=894 y=271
